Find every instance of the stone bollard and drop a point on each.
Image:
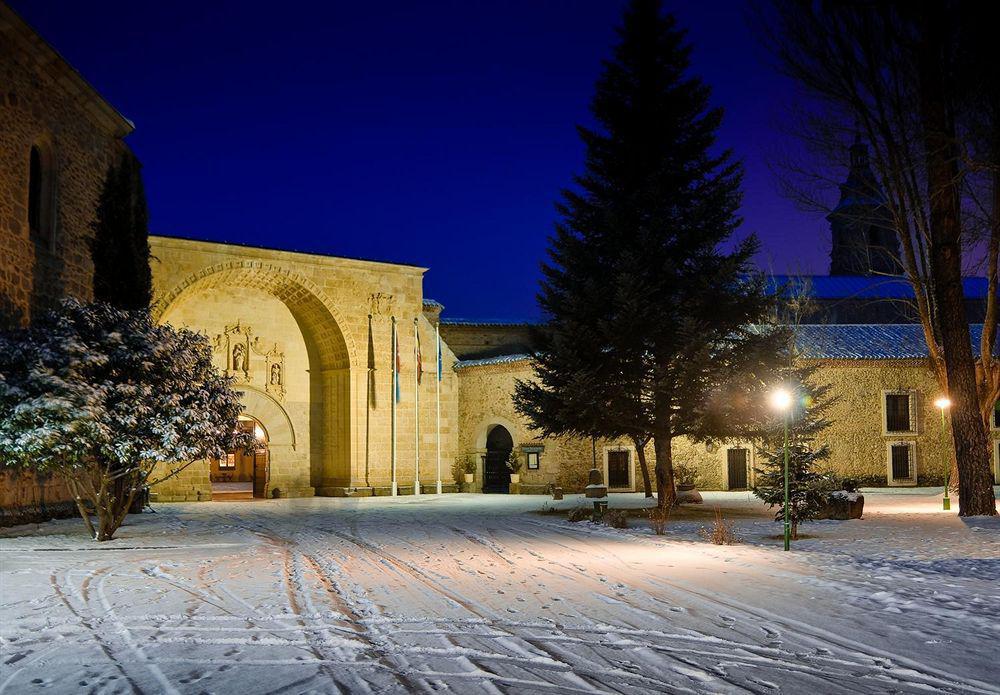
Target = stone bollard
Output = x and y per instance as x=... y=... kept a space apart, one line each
x=557 y=493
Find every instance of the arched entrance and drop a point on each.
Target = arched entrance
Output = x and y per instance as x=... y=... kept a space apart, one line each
x=260 y=309
x=243 y=474
x=499 y=444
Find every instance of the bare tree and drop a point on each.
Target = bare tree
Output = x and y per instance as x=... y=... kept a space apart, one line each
x=903 y=75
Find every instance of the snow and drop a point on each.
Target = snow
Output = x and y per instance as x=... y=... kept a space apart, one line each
x=491 y=593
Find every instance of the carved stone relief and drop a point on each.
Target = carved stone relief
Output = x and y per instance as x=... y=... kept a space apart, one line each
x=249 y=359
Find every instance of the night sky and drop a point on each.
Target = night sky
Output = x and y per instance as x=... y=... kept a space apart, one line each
x=432 y=133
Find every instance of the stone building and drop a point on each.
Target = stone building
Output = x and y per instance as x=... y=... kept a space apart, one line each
x=886 y=429
x=308 y=339
x=57 y=138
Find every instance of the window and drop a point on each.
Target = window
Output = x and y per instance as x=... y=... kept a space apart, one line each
x=898 y=413
x=228 y=462
x=619 y=469
x=35 y=191
x=532 y=457
x=40 y=194
x=901 y=463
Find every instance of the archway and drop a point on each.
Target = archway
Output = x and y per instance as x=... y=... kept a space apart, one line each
x=499 y=444
x=321 y=409
x=243 y=474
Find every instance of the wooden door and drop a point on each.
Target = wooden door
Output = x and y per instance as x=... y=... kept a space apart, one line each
x=738 y=460
x=619 y=470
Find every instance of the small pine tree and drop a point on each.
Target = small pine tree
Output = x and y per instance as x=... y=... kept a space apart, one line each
x=120 y=247
x=808 y=483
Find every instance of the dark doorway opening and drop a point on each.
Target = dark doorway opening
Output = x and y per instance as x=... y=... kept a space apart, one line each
x=243 y=474
x=738 y=460
x=499 y=444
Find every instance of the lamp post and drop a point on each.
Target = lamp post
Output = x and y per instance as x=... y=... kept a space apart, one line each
x=943 y=403
x=781 y=401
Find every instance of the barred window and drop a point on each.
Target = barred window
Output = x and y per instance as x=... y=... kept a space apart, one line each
x=897 y=413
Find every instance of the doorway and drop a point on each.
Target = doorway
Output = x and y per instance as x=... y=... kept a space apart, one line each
x=737 y=462
x=499 y=444
x=243 y=475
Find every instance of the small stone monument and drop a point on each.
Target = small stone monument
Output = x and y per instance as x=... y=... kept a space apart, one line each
x=598 y=492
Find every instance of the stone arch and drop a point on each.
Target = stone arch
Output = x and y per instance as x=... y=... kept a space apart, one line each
x=325 y=461
x=272 y=417
x=321 y=320
x=487 y=424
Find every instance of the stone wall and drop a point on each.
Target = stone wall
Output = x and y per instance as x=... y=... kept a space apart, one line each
x=472 y=340
x=45 y=103
x=856 y=438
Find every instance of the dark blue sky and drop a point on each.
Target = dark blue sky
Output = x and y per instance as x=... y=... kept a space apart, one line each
x=432 y=133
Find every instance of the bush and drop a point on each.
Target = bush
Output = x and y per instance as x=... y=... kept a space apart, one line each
x=721 y=532
x=102 y=397
x=616 y=518
x=578 y=514
x=658 y=517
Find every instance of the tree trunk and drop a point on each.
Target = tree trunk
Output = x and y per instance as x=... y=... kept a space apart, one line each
x=971 y=443
x=640 y=453
x=664 y=471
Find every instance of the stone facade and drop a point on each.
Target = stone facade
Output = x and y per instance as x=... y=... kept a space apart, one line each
x=326 y=433
x=46 y=105
x=857 y=438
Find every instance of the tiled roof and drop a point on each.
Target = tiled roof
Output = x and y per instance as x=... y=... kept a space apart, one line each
x=867 y=341
x=861 y=286
x=433 y=303
x=499 y=359
x=477 y=322
x=836 y=341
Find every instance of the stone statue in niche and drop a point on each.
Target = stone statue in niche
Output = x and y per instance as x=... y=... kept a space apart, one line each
x=248 y=357
x=239 y=358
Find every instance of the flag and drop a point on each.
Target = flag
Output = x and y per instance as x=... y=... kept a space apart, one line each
x=398 y=364
x=440 y=360
x=372 y=401
x=419 y=360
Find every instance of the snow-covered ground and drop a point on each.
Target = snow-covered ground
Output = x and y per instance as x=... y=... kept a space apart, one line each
x=478 y=593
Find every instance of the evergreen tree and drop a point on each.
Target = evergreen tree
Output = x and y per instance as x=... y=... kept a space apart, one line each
x=808 y=482
x=649 y=325
x=120 y=247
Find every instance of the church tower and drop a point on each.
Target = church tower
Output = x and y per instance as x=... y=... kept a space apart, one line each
x=864 y=240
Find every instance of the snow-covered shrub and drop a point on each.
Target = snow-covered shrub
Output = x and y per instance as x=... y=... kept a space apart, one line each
x=100 y=396
x=616 y=518
x=578 y=514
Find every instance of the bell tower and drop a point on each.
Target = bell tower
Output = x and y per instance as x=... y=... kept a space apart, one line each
x=864 y=238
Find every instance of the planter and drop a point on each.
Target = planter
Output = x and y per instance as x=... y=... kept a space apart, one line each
x=843 y=505
x=687 y=493
x=470 y=477
x=515 y=477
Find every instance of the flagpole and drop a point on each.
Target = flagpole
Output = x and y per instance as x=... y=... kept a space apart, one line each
x=437 y=343
x=395 y=385
x=368 y=404
x=417 y=368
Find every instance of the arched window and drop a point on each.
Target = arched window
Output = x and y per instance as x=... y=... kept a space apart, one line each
x=35 y=191
x=40 y=193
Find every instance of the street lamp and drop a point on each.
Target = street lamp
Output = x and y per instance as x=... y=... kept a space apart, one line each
x=781 y=400
x=944 y=403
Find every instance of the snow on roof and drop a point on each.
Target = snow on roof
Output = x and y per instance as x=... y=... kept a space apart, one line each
x=487 y=322
x=433 y=303
x=499 y=359
x=861 y=286
x=838 y=341
x=867 y=341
